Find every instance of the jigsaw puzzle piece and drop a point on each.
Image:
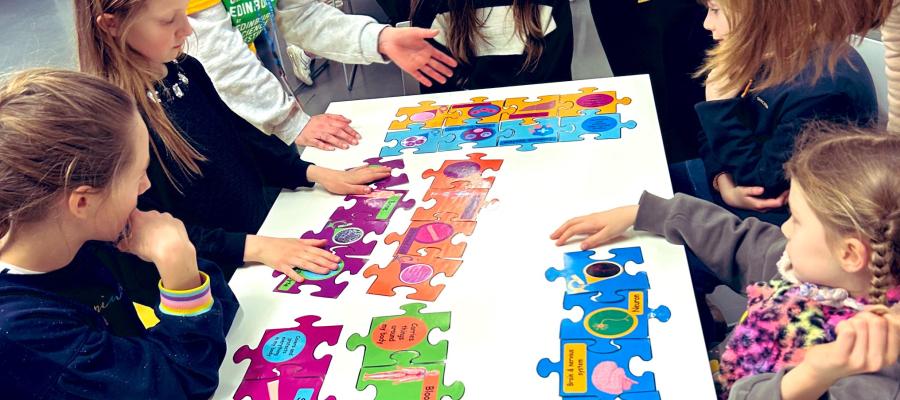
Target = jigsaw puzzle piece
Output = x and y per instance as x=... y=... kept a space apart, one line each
x=426 y=113
x=327 y=283
x=571 y=105
x=480 y=109
x=412 y=272
x=518 y=133
x=284 y=386
x=290 y=346
x=409 y=331
x=377 y=205
x=470 y=171
x=592 y=123
x=626 y=319
x=432 y=234
x=589 y=372
x=484 y=135
x=586 y=274
x=390 y=181
x=408 y=378
x=528 y=111
x=462 y=203
x=424 y=140
x=350 y=235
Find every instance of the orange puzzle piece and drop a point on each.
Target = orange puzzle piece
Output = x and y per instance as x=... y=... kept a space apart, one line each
x=436 y=234
x=606 y=102
x=426 y=113
x=413 y=272
x=469 y=171
x=527 y=110
x=484 y=110
x=464 y=203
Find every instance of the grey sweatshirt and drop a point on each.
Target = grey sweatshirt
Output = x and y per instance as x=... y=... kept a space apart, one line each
x=739 y=253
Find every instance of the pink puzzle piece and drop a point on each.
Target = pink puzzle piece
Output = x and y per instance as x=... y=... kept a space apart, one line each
x=293 y=346
x=327 y=283
x=284 y=386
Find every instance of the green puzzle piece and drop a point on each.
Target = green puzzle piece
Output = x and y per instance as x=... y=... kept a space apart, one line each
x=406 y=380
x=409 y=331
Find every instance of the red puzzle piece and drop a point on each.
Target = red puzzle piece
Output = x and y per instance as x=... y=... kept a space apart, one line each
x=413 y=272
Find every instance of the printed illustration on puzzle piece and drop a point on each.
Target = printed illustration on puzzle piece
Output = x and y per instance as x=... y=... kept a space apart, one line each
x=377 y=205
x=591 y=123
x=627 y=319
x=350 y=235
x=436 y=233
x=409 y=331
x=589 y=371
x=528 y=111
x=426 y=113
x=484 y=135
x=412 y=272
x=571 y=105
x=480 y=108
x=408 y=378
x=293 y=346
x=583 y=273
x=464 y=204
x=288 y=384
x=526 y=136
x=327 y=283
x=423 y=140
x=470 y=171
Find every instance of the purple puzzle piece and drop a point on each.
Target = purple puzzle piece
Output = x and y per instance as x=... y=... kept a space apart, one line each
x=349 y=235
x=379 y=205
x=327 y=283
x=285 y=386
x=390 y=181
x=290 y=346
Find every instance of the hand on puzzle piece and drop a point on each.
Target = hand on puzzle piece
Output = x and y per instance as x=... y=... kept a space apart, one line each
x=470 y=171
x=427 y=114
x=601 y=226
x=424 y=140
x=627 y=319
x=592 y=123
x=585 y=274
x=327 y=283
x=290 y=346
x=407 y=378
x=285 y=386
x=437 y=234
x=412 y=272
x=463 y=203
x=409 y=331
x=349 y=234
x=571 y=105
x=352 y=181
x=528 y=111
x=285 y=254
x=480 y=108
x=484 y=135
x=589 y=371
x=526 y=136
x=390 y=181
x=379 y=205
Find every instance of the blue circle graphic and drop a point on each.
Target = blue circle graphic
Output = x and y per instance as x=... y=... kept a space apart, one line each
x=284 y=346
x=599 y=124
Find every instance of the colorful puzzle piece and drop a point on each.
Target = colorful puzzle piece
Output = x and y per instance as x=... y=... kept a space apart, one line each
x=404 y=379
x=350 y=235
x=517 y=133
x=377 y=205
x=585 y=274
x=290 y=346
x=463 y=204
x=587 y=371
x=480 y=108
x=413 y=272
x=424 y=140
x=592 y=123
x=327 y=283
x=470 y=171
x=285 y=385
x=484 y=135
x=436 y=234
x=627 y=319
x=426 y=113
x=529 y=111
x=408 y=331
x=571 y=105
x=391 y=181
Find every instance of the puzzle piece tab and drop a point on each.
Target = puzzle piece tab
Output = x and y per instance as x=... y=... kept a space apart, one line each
x=327 y=283
x=571 y=105
x=290 y=346
x=595 y=373
x=286 y=385
x=408 y=331
x=463 y=204
x=432 y=234
x=470 y=171
x=627 y=319
x=592 y=123
x=377 y=205
x=484 y=135
x=405 y=379
x=412 y=272
x=585 y=274
x=427 y=113
x=424 y=140
x=517 y=133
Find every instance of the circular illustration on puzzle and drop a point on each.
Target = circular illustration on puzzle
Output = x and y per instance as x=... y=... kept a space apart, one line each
x=482 y=111
x=284 y=346
x=610 y=323
x=594 y=100
x=599 y=124
x=478 y=134
x=462 y=169
x=413 y=141
x=415 y=273
x=312 y=276
x=433 y=232
x=401 y=333
x=423 y=116
x=348 y=235
x=599 y=271
x=609 y=377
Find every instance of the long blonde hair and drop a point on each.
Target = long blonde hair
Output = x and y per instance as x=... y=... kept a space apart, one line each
x=851 y=177
x=110 y=57
x=773 y=41
x=53 y=139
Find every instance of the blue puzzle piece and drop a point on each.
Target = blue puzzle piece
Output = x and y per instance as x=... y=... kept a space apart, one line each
x=516 y=133
x=585 y=274
x=592 y=123
x=484 y=135
x=423 y=140
x=626 y=319
x=587 y=371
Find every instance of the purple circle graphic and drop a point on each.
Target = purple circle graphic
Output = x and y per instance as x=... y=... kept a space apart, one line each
x=483 y=111
x=478 y=134
x=416 y=273
x=413 y=141
x=433 y=232
x=594 y=100
x=462 y=169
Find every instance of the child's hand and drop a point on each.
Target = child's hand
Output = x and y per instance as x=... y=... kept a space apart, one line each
x=601 y=226
x=327 y=132
x=746 y=197
x=285 y=254
x=162 y=239
x=354 y=181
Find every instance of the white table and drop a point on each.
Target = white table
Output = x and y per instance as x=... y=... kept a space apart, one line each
x=505 y=315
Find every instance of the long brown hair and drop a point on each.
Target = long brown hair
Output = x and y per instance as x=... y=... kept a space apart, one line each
x=53 y=139
x=465 y=30
x=850 y=176
x=110 y=57
x=773 y=41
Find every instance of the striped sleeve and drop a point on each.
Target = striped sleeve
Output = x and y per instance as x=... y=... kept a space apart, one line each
x=186 y=303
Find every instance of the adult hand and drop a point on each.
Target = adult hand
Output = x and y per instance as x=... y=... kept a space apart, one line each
x=747 y=197
x=327 y=132
x=354 y=181
x=285 y=254
x=602 y=226
x=407 y=48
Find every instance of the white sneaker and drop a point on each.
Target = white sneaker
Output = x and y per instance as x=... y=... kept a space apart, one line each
x=301 y=64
